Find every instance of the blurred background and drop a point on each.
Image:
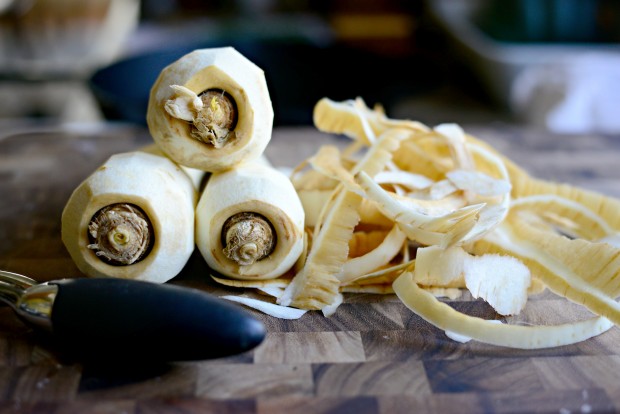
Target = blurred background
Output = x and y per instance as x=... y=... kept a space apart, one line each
x=553 y=64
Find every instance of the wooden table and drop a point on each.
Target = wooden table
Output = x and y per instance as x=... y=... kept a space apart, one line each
x=372 y=356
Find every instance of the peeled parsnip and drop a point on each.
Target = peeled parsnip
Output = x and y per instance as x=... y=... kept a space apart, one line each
x=198 y=177
x=211 y=110
x=250 y=223
x=132 y=218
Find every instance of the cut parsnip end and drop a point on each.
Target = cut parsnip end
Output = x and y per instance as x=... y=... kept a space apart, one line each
x=215 y=121
x=248 y=237
x=211 y=110
x=120 y=234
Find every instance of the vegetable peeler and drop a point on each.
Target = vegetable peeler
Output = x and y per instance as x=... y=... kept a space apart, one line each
x=119 y=319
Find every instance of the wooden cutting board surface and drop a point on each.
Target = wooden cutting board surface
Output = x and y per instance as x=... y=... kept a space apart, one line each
x=372 y=356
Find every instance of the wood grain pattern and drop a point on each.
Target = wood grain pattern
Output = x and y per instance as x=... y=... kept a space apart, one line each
x=372 y=356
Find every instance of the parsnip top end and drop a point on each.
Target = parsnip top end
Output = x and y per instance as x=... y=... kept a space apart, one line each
x=231 y=124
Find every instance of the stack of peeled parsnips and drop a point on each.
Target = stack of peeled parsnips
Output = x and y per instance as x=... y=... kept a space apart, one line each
x=420 y=212
x=140 y=214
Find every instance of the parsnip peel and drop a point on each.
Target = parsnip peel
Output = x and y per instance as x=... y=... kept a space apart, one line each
x=435 y=266
x=584 y=272
x=271 y=309
x=316 y=285
x=514 y=336
x=372 y=260
x=431 y=212
x=346 y=118
x=502 y=281
x=477 y=182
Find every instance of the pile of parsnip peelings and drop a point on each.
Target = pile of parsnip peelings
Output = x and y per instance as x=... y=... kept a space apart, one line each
x=429 y=212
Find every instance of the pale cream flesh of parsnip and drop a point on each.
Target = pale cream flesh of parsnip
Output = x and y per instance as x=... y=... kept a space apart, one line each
x=250 y=222
x=132 y=218
x=211 y=110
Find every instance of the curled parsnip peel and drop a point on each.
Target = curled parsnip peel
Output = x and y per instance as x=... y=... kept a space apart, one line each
x=379 y=281
x=445 y=230
x=613 y=239
x=271 y=309
x=386 y=274
x=502 y=281
x=313 y=202
x=584 y=272
x=310 y=180
x=432 y=206
x=250 y=223
x=568 y=216
x=435 y=266
x=363 y=242
x=607 y=208
x=252 y=284
x=478 y=183
x=492 y=186
x=444 y=317
x=439 y=190
x=523 y=184
x=386 y=251
x=347 y=118
x=316 y=285
x=132 y=218
x=404 y=178
x=328 y=162
x=378 y=289
x=464 y=339
x=211 y=110
x=417 y=158
x=455 y=137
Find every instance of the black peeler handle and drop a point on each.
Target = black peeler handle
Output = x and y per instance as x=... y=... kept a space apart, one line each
x=135 y=320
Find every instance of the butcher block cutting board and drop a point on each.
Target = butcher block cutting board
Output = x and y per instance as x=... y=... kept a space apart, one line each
x=372 y=356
